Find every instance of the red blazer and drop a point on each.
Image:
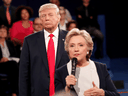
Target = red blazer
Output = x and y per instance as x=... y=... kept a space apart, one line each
x=19 y=32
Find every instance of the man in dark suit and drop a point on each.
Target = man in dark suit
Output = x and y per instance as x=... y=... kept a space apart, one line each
x=35 y=72
x=3 y=13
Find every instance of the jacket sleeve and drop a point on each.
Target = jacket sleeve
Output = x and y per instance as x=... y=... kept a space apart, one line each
x=110 y=89
x=24 y=71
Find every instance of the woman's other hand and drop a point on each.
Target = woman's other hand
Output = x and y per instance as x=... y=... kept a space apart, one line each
x=95 y=91
x=17 y=42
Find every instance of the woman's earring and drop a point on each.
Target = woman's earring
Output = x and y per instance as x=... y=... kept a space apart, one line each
x=87 y=52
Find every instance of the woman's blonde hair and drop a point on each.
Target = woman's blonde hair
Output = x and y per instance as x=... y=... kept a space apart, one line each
x=48 y=5
x=85 y=35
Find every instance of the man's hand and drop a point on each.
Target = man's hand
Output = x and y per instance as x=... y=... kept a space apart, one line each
x=4 y=59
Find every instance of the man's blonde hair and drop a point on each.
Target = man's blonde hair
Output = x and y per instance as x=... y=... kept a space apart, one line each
x=47 y=6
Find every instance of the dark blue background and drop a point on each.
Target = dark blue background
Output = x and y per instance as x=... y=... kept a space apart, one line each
x=115 y=12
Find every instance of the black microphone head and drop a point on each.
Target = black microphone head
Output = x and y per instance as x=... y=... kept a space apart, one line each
x=74 y=61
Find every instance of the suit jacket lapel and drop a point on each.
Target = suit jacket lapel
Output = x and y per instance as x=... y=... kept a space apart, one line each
x=100 y=74
x=4 y=13
x=42 y=48
x=13 y=17
x=1 y=53
x=60 y=47
x=12 y=13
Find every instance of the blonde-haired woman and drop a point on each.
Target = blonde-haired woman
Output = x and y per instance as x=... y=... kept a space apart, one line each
x=91 y=78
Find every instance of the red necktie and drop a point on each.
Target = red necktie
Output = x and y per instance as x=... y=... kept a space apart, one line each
x=51 y=63
x=8 y=16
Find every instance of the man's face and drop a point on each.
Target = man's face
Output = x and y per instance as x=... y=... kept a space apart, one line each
x=86 y=1
x=7 y=2
x=37 y=25
x=55 y=2
x=62 y=14
x=50 y=18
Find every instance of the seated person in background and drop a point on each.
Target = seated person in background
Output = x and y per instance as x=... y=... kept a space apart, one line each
x=23 y=27
x=68 y=15
x=63 y=21
x=37 y=25
x=8 y=60
x=91 y=78
x=86 y=16
x=71 y=24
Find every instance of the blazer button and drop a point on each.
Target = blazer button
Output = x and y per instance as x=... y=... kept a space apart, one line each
x=48 y=76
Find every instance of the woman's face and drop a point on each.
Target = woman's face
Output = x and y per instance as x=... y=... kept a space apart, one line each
x=24 y=14
x=3 y=33
x=72 y=25
x=77 y=48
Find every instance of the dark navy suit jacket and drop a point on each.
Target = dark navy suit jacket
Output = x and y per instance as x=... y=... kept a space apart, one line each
x=34 y=72
x=105 y=81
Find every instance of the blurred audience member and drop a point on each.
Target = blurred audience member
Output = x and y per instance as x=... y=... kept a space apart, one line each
x=8 y=60
x=68 y=15
x=63 y=21
x=87 y=19
x=37 y=25
x=7 y=13
x=23 y=27
x=71 y=24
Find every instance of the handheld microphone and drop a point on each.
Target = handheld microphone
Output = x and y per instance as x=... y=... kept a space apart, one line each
x=74 y=63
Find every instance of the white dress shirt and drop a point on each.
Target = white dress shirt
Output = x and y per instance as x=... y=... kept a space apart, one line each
x=55 y=39
x=5 y=53
x=63 y=27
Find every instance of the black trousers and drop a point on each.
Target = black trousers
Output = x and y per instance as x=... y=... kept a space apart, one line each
x=98 y=37
x=11 y=69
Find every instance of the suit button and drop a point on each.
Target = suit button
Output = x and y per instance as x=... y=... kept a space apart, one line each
x=48 y=76
x=47 y=89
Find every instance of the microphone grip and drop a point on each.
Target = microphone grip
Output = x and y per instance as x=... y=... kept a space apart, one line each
x=73 y=73
x=74 y=62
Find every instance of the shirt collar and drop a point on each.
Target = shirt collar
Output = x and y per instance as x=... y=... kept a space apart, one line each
x=6 y=7
x=35 y=31
x=4 y=45
x=55 y=33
